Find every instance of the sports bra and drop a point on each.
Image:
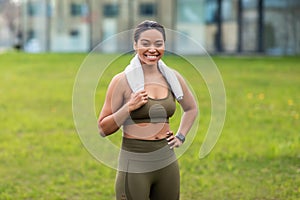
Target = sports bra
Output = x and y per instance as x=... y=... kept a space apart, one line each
x=154 y=111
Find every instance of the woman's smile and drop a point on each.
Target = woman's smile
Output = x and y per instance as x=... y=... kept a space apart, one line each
x=150 y=47
x=152 y=57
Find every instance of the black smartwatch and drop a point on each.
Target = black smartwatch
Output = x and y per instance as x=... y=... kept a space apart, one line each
x=180 y=137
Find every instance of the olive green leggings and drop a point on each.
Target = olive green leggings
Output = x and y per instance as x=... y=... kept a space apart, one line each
x=160 y=182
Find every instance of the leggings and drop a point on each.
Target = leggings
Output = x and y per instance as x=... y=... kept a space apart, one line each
x=151 y=172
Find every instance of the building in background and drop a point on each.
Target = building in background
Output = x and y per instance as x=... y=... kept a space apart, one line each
x=9 y=24
x=220 y=26
x=80 y=25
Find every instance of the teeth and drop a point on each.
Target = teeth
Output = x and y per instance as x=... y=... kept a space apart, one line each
x=151 y=57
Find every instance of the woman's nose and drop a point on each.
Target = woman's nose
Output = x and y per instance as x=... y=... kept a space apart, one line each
x=152 y=50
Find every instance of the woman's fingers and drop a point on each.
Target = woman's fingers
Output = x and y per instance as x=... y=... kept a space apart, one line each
x=172 y=140
x=138 y=99
x=142 y=97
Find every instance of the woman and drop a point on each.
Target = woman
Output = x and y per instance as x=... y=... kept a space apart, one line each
x=142 y=99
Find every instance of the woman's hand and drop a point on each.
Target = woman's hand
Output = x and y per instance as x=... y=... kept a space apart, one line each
x=172 y=140
x=137 y=100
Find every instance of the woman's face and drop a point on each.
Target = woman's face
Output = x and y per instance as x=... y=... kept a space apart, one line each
x=150 y=47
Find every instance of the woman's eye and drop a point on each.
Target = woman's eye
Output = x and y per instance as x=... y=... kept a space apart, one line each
x=146 y=44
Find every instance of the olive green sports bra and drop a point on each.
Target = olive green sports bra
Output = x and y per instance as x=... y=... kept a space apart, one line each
x=154 y=111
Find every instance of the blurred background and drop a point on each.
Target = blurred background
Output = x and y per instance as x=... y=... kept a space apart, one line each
x=268 y=27
x=257 y=156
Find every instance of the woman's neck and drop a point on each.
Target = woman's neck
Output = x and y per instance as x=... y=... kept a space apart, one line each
x=150 y=69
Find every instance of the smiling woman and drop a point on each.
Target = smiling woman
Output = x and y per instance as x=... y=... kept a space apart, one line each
x=150 y=47
x=142 y=99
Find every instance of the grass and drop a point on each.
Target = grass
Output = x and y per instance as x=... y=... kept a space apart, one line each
x=256 y=157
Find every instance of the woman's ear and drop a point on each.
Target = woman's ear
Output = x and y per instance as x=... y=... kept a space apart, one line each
x=135 y=46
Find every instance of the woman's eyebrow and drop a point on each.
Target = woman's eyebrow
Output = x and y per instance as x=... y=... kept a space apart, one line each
x=149 y=40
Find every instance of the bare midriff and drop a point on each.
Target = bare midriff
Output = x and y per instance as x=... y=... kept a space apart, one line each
x=146 y=131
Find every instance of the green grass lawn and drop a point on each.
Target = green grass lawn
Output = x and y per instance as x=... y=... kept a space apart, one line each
x=257 y=156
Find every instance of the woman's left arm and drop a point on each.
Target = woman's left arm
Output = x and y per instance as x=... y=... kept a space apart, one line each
x=189 y=106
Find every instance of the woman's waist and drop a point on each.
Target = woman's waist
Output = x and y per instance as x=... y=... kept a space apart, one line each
x=146 y=131
x=140 y=156
x=143 y=146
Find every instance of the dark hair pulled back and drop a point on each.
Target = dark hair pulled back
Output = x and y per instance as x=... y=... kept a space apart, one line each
x=148 y=25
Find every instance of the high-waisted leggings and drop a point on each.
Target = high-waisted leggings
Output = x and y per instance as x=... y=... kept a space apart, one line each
x=148 y=170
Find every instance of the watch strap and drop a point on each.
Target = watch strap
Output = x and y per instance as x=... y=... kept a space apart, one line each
x=180 y=137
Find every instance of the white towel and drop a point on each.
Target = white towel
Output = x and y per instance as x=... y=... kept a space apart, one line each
x=135 y=77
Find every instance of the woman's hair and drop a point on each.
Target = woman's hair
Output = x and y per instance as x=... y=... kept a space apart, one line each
x=148 y=25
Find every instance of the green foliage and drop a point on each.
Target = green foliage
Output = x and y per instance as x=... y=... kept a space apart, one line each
x=256 y=157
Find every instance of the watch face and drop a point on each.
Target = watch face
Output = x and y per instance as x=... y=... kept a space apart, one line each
x=180 y=137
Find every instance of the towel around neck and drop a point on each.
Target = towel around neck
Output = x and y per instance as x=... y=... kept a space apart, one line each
x=135 y=77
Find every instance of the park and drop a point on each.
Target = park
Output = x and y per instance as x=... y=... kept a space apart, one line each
x=256 y=157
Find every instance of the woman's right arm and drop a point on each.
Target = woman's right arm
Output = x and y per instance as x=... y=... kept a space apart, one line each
x=114 y=111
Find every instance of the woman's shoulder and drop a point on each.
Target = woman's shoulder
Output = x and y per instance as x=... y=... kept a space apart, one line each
x=120 y=81
x=179 y=76
x=119 y=77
